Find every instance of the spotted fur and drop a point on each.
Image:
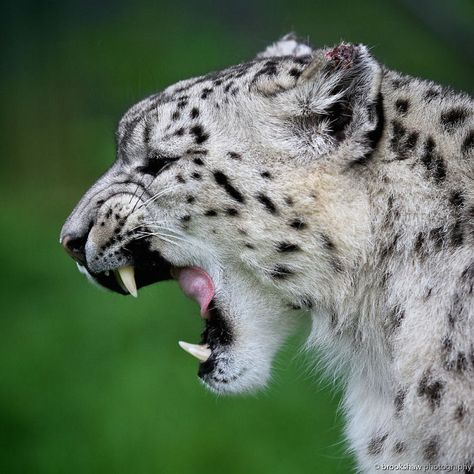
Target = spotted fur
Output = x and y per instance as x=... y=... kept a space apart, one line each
x=313 y=184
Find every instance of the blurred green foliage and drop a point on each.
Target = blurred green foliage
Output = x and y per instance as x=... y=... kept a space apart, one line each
x=93 y=382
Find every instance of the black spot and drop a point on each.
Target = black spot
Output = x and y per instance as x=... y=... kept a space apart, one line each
x=302 y=59
x=399 y=401
x=431 y=448
x=297 y=224
x=431 y=94
x=234 y=155
x=400 y=82
x=402 y=142
x=249 y=246
x=198 y=161
x=375 y=445
x=269 y=69
x=194 y=113
x=419 y=243
x=266 y=175
x=461 y=362
x=287 y=247
x=411 y=141
x=205 y=92
x=222 y=180
x=289 y=200
x=432 y=161
x=457 y=234
x=437 y=236
x=190 y=199
x=267 y=202
x=327 y=242
x=390 y=247
x=199 y=135
x=175 y=115
x=179 y=132
x=196 y=151
x=280 y=272
x=399 y=447
x=180 y=178
x=402 y=106
x=186 y=218
x=456 y=199
x=453 y=118
x=431 y=389
x=196 y=175
x=398 y=131
x=210 y=213
x=460 y=412
x=231 y=211
x=182 y=103
x=468 y=143
x=294 y=72
x=228 y=86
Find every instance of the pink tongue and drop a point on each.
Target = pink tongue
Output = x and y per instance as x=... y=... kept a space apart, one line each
x=197 y=284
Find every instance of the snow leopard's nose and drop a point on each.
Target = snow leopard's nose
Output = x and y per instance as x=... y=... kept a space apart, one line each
x=75 y=246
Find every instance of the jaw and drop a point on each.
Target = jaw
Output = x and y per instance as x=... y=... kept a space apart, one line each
x=244 y=325
x=248 y=325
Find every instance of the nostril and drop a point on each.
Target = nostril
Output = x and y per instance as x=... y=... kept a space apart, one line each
x=75 y=247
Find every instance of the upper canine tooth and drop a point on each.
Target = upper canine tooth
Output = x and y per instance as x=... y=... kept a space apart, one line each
x=127 y=277
x=200 y=352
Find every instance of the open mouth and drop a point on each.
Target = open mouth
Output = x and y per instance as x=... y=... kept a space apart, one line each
x=194 y=282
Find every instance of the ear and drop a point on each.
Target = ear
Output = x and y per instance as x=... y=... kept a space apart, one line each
x=333 y=103
x=289 y=45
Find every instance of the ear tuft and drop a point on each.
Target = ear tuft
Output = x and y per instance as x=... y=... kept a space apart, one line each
x=289 y=45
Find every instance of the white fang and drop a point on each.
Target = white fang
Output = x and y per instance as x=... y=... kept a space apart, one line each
x=200 y=352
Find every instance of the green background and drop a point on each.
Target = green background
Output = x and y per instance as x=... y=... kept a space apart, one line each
x=92 y=382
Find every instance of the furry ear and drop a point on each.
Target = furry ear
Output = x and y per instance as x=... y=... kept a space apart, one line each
x=289 y=45
x=325 y=100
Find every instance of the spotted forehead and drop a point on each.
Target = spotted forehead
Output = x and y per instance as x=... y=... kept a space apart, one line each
x=217 y=89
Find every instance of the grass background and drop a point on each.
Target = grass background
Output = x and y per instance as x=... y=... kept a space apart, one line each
x=93 y=382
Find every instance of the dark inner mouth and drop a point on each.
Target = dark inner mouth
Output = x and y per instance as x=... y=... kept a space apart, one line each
x=216 y=331
x=150 y=267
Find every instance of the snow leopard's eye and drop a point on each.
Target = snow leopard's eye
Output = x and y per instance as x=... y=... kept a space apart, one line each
x=156 y=163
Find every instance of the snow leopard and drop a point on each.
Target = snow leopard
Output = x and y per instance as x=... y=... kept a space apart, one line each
x=308 y=185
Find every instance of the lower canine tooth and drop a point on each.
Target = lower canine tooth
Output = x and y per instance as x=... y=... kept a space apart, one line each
x=200 y=352
x=127 y=278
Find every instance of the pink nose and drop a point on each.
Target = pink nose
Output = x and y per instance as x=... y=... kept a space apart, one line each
x=75 y=247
